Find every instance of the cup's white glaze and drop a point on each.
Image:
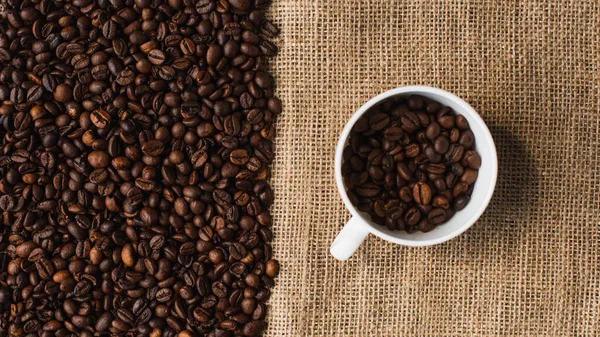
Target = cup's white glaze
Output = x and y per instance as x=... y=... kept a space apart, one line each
x=359 y=226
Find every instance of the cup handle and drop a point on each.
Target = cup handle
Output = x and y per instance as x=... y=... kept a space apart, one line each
x=349 y=239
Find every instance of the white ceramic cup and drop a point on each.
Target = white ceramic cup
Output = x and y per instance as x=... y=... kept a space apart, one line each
x=360 y=225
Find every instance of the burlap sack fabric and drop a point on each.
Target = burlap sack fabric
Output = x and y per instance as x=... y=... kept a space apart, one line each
x=529 y=266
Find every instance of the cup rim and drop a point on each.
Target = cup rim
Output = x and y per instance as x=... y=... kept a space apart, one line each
x=416 y=89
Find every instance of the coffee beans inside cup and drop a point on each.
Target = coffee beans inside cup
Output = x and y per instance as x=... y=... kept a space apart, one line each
x=410 y=163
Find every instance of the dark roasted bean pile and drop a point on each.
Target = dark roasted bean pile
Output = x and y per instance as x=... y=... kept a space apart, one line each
x=136 y=139
x=410 y=164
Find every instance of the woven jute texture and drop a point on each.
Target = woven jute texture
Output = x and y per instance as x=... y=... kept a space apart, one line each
x=531 y=265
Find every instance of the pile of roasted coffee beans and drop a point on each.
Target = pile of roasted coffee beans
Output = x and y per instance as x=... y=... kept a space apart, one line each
x=136 y=139
x=410 y=164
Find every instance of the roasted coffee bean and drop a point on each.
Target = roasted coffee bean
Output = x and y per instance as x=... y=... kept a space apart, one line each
x=471 y=159
x=156 y=57
x=426 y=225
x=407 y=162
x=421 y=193
x=455 y=153
x=412 y=216
x=412 y=150
x=461 y=202
x=379 y=121
x=432 y=131
x=457 y=169
x=436 y=169
x=437 y=216
x=368 y=190
x=416 y=102
x=409 y=122
x=379 y=208
x=440 y=201
x=451 y=180
x=100 y=118
x=441 y=144
x=34 y=93
x=469 y=176
x=454 y=135
x=269 y=29
x=459 y=189
x=63 y=93
x=239 y=157
x=446 y=121
x=104 y=321
x=253 y=328
x=461 y=122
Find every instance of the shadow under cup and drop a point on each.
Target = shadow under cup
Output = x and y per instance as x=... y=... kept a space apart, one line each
x=483 y=188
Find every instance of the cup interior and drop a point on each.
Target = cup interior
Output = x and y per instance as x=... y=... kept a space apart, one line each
x=484 y=186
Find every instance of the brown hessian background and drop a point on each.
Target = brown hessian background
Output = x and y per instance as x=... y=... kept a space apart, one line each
x=530 y=265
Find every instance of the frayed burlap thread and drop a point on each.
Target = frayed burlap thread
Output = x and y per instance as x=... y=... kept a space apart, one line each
x=530 y=266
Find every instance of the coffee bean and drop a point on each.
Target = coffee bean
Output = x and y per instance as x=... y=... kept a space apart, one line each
x=421 y=193
x=454 y=135
x=441 y=144
x=440 y=202
x=433 y=107
x=187 y=248
x=104 y=321
x=368 y=190
x=98 y=159
x=272 y=268
x=239 y=157
x=214 y=54
x=253 y=328
x=7 y=203
x=153 y=148
x=100 y=118
x=125 y=315
x=455 y=153
x=241 y=5
x=49 y=82
x=128 y=255
x=205 y=6
x=451 y=180
x=376 y=173
x=268 y=48
x=379 y=121
x=269 y=29
x=432 y=131
x=461 y=202
x=416 y=102
x=156 y=57
x=63 y=93
x=447 y=121
x=34 y=93
x=471 y=159
x=164 y=295
x=437 y=216
x=459 y=189
x=469 y=176
x=457 y=169
x=461 y=122
x=426 y=225
x=410 y=121
x=187 y=46
x=412 y=216
x=467 y=138
x=436 y=169
x=412 y=150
